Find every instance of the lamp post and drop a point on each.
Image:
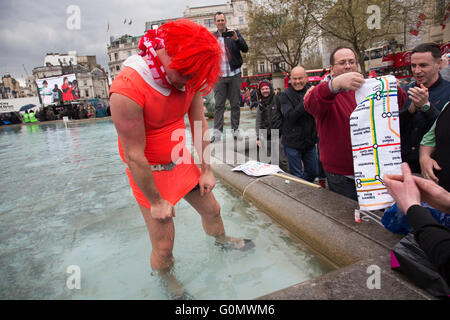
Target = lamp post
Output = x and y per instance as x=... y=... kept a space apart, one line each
x=277 y=75
x=393 y=45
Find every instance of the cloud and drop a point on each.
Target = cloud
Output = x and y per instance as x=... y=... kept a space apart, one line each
x=30 y=29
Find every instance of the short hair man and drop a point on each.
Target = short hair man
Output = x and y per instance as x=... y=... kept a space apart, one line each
x=149 y=99
x=331 y=103
x=229 y=84
x=299 y=135
x=427 y=95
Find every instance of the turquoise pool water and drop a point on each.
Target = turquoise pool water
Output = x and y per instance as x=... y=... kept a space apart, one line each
x=65 y=201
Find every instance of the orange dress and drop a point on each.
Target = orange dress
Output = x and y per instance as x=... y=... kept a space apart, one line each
x=164 y=111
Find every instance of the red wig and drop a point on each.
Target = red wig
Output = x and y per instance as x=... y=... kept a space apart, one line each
x=194 y=51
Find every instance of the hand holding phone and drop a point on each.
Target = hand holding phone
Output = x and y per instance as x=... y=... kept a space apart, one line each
x=228 y=34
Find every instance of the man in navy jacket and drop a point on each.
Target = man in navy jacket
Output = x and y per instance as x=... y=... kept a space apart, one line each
x=426 y=97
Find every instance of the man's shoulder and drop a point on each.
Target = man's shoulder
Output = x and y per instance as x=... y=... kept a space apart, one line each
x=445 y=83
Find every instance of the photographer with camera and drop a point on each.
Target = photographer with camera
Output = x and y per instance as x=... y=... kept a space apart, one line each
x=229 y=84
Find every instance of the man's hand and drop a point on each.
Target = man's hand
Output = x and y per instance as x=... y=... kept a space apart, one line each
x=427 y=164
x=308 y=91
x=234 y=37
x=258 y=143
x=433 y=194
x=206 y=182
x=348 y=81
x=418 y=96
x=162 y=210
x=405 y=192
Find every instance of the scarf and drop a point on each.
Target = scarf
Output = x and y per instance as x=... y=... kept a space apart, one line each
x=148 y=44
x=296 y=97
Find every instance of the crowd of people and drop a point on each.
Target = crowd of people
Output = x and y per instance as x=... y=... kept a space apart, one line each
x=49 y=113
x=312 y=122
x=306 y=113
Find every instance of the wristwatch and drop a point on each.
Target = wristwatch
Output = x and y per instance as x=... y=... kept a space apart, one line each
x=425 y=107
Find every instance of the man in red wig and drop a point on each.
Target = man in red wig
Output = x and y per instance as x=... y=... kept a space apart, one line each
x=178 y=63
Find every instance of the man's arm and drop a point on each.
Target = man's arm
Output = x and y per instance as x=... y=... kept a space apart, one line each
x=128 y=119
x=241 y=42
x=433 y=238
x=321 y=98
x=427 y=163
x=201 y=143
x=290 y=112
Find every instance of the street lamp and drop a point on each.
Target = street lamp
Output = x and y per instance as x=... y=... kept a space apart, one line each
x=393 y=45
x=276 y=62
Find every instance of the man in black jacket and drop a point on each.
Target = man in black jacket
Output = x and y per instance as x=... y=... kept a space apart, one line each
x=299 y=135
x=433 y=238
x=229 y=84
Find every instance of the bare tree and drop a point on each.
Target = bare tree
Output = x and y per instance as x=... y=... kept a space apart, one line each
x=361 y=23
x=280 y=31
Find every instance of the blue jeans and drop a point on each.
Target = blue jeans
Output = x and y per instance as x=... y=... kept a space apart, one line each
x=309 y=159
x=342 y=185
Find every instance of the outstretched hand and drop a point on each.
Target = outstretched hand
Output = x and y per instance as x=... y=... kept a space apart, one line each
x=348 y=81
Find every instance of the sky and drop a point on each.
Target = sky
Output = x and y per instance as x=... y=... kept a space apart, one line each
x=30 y=29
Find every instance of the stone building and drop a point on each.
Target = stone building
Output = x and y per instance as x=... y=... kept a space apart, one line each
x=9 y=87
x=92 y=79
x=432 y=31
x=119 y=50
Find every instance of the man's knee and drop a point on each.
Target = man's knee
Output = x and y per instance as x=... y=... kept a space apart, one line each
x=163 y=250
x=211 y=211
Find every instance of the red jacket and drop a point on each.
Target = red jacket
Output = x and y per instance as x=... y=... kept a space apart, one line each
x=332 y=114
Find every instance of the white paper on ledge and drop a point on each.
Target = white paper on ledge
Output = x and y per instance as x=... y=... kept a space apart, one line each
x=257 y=169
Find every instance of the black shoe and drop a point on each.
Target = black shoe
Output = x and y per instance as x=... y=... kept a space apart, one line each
x=237 y=135
x=216 y=138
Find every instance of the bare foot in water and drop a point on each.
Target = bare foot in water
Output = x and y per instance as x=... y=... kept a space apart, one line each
x=174 y=286
x=231 y=243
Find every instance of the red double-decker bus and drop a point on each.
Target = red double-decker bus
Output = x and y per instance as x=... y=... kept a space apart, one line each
x=396 y=62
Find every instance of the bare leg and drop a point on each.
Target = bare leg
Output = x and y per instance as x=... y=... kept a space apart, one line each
x=209 y=210
x=162 y=235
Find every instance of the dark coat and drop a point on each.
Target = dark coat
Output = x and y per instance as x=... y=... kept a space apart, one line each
x=234 y=48
x=414 y=126
x=268 y=114
x=299 y=127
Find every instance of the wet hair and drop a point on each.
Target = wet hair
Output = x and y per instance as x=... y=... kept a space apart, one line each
x=429 y=47
x=336 y=50
x=197 y=55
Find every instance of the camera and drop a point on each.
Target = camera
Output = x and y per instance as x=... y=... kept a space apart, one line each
x=227 y=34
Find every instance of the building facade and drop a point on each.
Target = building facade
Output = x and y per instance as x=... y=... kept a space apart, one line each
x=92 y=79
x=235 y=12
x=9 y=88
x=119 y=50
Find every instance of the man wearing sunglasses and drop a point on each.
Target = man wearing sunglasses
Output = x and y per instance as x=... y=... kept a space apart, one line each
x=331 y=103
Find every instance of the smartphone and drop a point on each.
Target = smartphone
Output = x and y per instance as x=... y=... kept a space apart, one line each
x=227 y=34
